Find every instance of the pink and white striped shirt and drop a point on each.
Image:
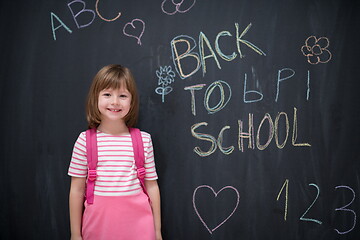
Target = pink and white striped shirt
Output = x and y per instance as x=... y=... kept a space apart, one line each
x=116 y=169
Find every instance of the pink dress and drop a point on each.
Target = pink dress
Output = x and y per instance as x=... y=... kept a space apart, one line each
x=118 y=218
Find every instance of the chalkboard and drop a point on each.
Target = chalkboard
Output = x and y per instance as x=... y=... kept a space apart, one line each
x=253 y=108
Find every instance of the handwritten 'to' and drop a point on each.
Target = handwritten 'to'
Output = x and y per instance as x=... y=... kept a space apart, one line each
x=131 y=30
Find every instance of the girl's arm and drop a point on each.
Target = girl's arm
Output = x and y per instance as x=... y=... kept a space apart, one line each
x=154 y=193
x=76 y=205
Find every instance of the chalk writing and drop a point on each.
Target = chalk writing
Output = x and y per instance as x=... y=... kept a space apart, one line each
x=218 y=50
x=247 y=43
x=280 y=146
x=246 y=92
x=202 y=39
x=53 y=29
x=89 y=12
x=134 y=29
x=270 y=135
x=166 y=77
x=284 y=189
x=286 y=186
x=188 y=56
x=192 y=89
x=308 y=86
x=249 y=96
x=295 y=131
x=205 y=137
x=177 y=6
x=224 y=150
x=222 y=102
x=291 y=72
x=280 y=79
x=132 y=24
x=98 y=13
x=317 y=195
x=200 y=56
x=249 y=135
x=316 y=50
x=216 y=195
x=344 y=208
x=188 y=53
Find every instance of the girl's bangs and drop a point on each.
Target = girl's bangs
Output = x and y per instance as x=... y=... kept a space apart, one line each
x=113 y=81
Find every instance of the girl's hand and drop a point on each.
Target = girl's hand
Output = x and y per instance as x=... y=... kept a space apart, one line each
x=158 y=235
x=76 y=238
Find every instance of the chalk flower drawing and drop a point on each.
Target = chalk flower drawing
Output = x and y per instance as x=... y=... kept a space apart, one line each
x=166 y=76
x=316 y=50
x=177 y=6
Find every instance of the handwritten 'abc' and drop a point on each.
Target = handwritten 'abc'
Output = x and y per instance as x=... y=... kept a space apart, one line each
x=84 y=17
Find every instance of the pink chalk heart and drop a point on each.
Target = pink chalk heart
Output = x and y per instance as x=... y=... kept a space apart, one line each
x=135 y=31
x=215 y=195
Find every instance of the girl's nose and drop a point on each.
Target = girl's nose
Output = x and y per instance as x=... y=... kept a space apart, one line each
x=115 y=101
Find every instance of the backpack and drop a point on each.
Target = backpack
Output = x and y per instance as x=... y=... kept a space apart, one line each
x=92 y=159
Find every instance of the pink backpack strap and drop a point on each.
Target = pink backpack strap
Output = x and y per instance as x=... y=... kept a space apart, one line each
x=92 y=159
x=139 y=156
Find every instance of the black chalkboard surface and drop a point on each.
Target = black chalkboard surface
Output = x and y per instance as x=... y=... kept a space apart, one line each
x=252 y=107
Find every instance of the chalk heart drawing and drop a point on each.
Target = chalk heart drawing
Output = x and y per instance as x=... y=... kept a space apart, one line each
x=216 y=194
x=135 y=31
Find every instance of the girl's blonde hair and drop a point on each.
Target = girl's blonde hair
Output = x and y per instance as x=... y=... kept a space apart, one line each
x=112 y=76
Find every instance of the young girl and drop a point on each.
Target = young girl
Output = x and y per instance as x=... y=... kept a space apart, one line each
x=121 y=209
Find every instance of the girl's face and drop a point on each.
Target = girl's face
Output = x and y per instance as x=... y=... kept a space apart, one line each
x=114 y=104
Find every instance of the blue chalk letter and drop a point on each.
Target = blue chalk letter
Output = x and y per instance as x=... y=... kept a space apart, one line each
x=52 y=15
x=251 y=91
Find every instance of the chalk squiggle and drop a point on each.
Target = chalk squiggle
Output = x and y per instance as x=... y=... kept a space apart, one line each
x=177 y=7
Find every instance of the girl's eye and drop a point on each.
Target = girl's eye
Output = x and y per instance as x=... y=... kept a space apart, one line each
x=107 y=94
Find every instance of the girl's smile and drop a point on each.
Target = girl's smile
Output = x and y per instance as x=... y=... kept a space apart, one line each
x=114 y=110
